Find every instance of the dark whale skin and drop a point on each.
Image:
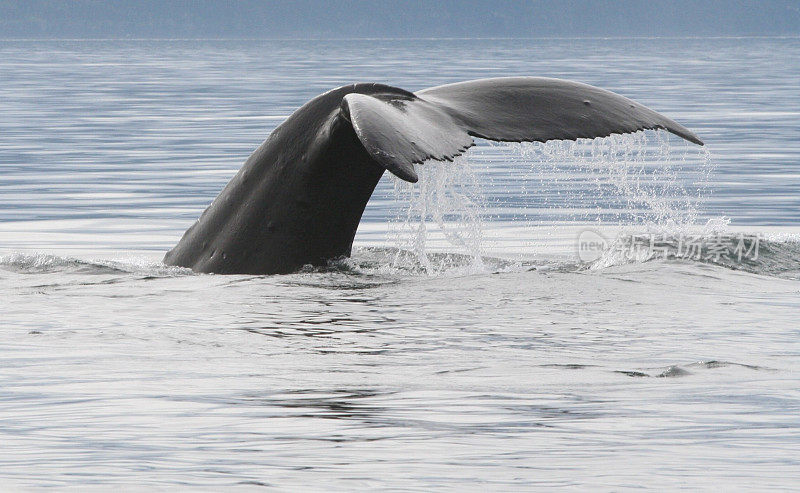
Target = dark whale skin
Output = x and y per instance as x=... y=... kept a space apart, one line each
x=297 y=200
x=299 y=197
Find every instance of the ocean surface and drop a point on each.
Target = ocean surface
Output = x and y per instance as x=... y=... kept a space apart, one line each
x=610 y=314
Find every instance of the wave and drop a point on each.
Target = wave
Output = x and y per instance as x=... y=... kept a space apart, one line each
x=776 y=256
x=42 y=263
x=769 y=255
x=674 y=371
x=366 y=261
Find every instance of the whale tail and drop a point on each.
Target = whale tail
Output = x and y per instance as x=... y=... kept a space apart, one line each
x=439 y=123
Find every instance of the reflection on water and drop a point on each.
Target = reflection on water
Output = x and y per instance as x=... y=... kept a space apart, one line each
x=360 y=380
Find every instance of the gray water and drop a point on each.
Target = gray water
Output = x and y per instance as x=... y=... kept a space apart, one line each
x=483 y=354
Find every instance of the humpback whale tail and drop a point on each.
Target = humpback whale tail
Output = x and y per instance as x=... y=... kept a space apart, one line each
x=399 y=131
x=299 y=197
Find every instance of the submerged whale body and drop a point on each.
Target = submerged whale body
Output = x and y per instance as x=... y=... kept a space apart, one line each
x=299 y=197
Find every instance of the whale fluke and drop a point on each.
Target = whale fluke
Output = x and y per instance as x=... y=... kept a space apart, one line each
x=299 y=197
x=439 y=122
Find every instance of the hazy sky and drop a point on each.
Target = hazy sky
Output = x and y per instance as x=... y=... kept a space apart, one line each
x=383 y=18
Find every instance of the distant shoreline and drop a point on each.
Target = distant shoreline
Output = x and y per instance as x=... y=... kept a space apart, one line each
x=543 y=38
